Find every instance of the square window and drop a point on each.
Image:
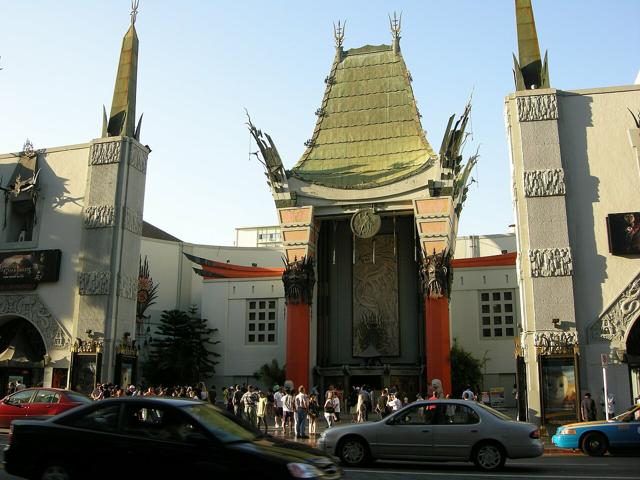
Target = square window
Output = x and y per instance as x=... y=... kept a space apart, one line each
x=272 y=315
x=252 y=338
x=486 y=320
x=486 y=309
x=271 y=337
x=507 y=295
x=497 y=308
x=252 y=315
x=263 y=304
x=261 y=316
x=497 y=320
x=261 y=327
x=484 y=297
x=496 y=296
x=486 y=332
x=272 y=304
x=508 y=307
x=252 y=305
x=272 y=327
x=508 y=320
x=252 y=327
x=509 y=332
x=261 y=337
x=497 y=332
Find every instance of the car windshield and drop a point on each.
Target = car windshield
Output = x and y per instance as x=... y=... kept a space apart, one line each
x=494 y=412
x=225 y=427
x=633 y=413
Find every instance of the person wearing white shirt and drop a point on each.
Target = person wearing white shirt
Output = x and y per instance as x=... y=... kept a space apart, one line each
x=277 y=399
x=394 y=403
x=302 y=405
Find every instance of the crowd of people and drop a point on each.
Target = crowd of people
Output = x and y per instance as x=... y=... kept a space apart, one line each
x=199 y=392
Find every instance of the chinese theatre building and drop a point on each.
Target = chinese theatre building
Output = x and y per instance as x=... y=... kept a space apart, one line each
x=575 y=182
x=69 y=251
x=368 y=218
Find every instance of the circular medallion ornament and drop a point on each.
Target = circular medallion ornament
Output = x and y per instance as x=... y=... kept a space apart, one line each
x=365 y=223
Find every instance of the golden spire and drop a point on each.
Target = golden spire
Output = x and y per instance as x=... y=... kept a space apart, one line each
x=395 y=24
x=338 y=33
x=123 y=107
x=530 y=72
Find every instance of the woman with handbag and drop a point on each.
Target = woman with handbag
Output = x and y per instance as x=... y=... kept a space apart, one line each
x=329 y=410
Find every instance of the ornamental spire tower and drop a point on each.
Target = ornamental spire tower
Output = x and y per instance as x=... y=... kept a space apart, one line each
x=123 y=106
x=529 y=71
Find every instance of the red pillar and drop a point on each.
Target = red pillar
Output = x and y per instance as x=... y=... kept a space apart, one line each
x=436 y=312
x=297 y=355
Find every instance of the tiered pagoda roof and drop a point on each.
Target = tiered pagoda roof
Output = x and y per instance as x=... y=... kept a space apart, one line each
x=368 y=131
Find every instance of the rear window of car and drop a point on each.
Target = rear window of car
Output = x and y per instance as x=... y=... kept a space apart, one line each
x=494 y=412
x=225 y=427
x=77 y=397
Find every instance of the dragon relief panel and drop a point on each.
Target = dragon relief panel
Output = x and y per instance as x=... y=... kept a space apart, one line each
x=376 y=326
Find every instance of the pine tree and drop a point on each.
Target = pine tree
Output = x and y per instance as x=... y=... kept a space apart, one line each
x=182 y=355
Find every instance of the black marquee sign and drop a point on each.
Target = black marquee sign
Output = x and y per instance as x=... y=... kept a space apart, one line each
x=25 y=270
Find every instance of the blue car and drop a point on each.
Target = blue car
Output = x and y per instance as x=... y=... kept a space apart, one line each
x=596 y=438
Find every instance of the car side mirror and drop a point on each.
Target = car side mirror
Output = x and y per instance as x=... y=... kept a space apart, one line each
x=197 y=439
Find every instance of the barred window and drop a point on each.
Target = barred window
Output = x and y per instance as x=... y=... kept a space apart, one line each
x=261 y=321
x=497 y=314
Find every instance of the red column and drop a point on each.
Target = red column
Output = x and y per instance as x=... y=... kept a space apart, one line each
x=436 y=312
x=297 y=355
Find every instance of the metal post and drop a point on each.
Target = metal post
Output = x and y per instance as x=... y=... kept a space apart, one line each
x=604 y=360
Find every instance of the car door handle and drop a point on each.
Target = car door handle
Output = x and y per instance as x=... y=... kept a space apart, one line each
x=474 y=431
x=426 y=431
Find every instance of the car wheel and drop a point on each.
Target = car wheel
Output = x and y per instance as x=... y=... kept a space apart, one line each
x=489 y=456
x=594 y=444
x=55 y=472
x=353 y=452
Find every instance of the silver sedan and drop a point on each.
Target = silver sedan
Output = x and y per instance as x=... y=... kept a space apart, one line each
x=442 y=430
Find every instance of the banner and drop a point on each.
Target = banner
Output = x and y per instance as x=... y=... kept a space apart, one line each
x=24 y=270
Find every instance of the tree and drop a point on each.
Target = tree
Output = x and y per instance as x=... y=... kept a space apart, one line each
x=270 y=374
x=465 y=370
x=182 y=356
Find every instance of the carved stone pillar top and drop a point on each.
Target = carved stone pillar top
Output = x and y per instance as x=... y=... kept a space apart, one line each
x=435 y=275
x=299 y=278
x=553 y=342
x=533 y=108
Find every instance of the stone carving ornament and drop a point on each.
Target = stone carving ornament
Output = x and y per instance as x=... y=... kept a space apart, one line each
x=138 y=158
x=31 y=307
x=365 y=223
x=551 y=262
x=94 y=283
x=99 y=216
x=435 y=275
x=104 y=153
x=299 y=279
x=537 y=107
x=128 y=287
x=544 y=183
x=555 y=342
x=616 y=319
x=133 y=221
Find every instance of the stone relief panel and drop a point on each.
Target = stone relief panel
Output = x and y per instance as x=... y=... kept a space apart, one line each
x=551 y=262
x=94 y=283
x=544 y=183
x=133 y=221
x=105 y=153
x=537 y=107
x=376 y=326
x=31 y=307
x=138 y=158
x=99 y=216
x=613 y=323
x=128 y=287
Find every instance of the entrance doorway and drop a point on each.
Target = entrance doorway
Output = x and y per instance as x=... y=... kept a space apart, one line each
x=22 y=352
x=633 y=357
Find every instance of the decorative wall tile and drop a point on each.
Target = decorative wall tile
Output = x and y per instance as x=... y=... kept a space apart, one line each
x=94 y=283
x=537 y=107
x=133 y=221
x=544 y=183
x=138 y=158
x=99 y=216
x=104 y=153
x=128 y=287
x=551 y=262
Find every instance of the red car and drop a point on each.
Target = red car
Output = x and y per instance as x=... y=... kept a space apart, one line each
x=38 y=402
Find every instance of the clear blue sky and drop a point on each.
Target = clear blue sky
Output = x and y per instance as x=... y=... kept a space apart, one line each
x=202 y=62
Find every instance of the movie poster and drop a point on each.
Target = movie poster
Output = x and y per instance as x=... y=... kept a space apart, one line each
x=624 y=233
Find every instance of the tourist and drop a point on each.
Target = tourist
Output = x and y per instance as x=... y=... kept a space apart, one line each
x=588 y=408
x=250 y=401
x=329 y=409
x=394 y=402
x=314 y=410
x=277 y=400
x=381 y=405
x=287 y=410
x=261 y=411
x=468 y=394
x=302 y=406
x=361 y=408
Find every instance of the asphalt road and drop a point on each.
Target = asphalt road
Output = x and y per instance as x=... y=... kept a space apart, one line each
x=547 y=467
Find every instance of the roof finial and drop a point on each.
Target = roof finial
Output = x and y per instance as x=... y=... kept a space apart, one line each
x=530 y=71
x=134 y=10
x=395 y=24
x=338 y=33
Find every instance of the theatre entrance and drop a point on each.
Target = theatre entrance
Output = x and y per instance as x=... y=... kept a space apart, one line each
x=22 y=353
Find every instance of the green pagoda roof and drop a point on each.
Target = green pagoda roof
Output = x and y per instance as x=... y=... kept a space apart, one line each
x=368 y=131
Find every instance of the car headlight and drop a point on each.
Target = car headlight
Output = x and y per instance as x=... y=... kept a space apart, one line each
x=568 y=431
x=303 y=470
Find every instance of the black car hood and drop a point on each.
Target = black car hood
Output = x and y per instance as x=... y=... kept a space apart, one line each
x=280 y=450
